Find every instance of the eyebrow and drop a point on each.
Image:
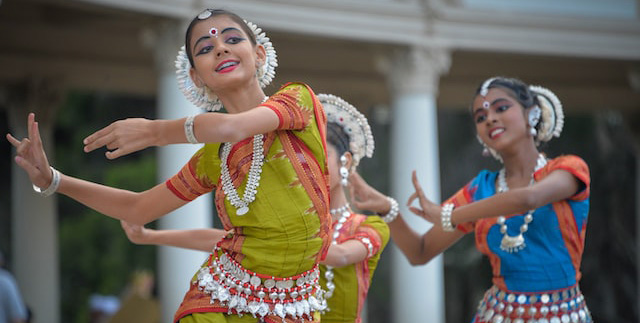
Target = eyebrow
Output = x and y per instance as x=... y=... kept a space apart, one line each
x=229 y=29
x=200 y=39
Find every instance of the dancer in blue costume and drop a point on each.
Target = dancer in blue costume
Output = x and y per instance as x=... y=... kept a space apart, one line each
x=529 y=218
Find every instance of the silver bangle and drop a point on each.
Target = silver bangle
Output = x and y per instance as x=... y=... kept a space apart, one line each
x=188 y=130
x=53 y=187
x=445 y=214
x=393 y=211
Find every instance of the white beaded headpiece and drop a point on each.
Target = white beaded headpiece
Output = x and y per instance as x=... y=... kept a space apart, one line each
x=552 y=118
x=354 y=124
x=203 y=97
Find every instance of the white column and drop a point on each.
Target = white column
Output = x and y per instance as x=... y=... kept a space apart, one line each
x=418 y=292
x=35 y=218
x=176 y=266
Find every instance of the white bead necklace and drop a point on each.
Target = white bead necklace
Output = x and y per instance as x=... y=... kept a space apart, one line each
x=516 y=243
x=345 y=213
x=253 y=177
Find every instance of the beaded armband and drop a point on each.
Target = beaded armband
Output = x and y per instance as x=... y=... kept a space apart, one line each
x=447 y=209
x=393 y=211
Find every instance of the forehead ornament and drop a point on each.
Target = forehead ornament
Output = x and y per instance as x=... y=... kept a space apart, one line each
x=484 y=89
x=205 y=14
x=213 y=32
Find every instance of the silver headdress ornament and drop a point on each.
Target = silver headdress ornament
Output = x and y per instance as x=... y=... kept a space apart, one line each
x=203 y=97
x=484 y=89
x=552 y=117
x=354 y=124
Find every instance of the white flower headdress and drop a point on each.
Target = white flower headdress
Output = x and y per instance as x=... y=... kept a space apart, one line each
x=203 y=97
x=552 y=118
x=354 y=124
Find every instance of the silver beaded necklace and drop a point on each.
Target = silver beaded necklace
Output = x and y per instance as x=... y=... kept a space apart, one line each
x=344 y=212
x=516 y=243
x=253 y=177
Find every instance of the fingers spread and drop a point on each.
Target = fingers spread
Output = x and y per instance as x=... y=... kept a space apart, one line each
x=23 y=147
x=30 y=121
x=14 y=142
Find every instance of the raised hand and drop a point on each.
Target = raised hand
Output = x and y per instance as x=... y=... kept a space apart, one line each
x=427 y=210
x=31 y=156
x=123 y=137
x=365 y=197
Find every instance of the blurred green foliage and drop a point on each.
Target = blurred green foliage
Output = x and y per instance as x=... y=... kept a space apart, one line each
x=96 y=256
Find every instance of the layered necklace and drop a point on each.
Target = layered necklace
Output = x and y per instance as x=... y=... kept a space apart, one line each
x=344 y=212
x=253 y=177
x=516 y=243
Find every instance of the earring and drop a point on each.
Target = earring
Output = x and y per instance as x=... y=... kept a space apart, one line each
x=260 y=70
x=485 y=149
x=534 y=118
x=344 y=172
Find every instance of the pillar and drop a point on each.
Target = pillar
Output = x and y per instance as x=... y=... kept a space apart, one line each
x=418 y=292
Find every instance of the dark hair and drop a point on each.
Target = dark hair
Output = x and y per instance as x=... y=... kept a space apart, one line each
x=516 y=88
x=337 y=138
x=214 y=13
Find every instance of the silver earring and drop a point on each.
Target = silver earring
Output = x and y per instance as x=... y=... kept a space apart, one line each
x=485 y=149
x=485 y=152
x=534 y=119
x=344 y=172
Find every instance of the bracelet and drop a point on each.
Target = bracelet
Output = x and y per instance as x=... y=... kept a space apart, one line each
x=447 y=209
x=188 y=130
x=53 y=187
x=393 y=211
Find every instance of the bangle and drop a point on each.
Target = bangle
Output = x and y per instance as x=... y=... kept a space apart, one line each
x=188 y=130
x=393 y=211
x=53 y=187
x=445 y=214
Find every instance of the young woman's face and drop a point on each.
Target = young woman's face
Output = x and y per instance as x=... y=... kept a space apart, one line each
x=502 y=123
x=223 y=54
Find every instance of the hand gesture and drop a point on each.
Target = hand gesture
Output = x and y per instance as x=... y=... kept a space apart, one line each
x=122 y=137
x=136 y=233
x=428 y=210
x=31 y=156
x=365 y=197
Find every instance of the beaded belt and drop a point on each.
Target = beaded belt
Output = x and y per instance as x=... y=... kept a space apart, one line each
x=560 y=306
x=244 y=291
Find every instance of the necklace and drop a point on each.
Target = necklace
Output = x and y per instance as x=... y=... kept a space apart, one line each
x=253 y=181
x=345 y=213
x=516 y=243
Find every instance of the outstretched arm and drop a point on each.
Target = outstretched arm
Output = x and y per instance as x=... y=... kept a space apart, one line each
x=418 y=248
x=117 y=203
x=196 y=239
x=558 y=185
x=130 y=135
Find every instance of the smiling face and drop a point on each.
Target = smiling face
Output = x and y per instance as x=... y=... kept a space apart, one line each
x=500 y=123
x=224 y=55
